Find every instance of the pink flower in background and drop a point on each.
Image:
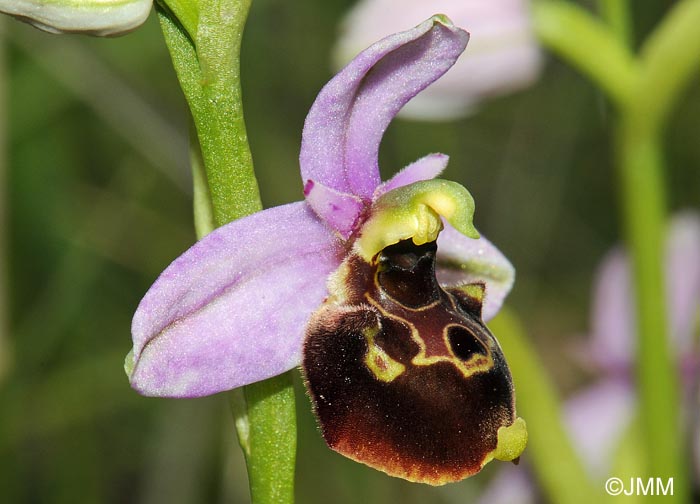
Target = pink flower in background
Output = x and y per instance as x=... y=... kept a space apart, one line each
x=599 y=416
x=503 y=55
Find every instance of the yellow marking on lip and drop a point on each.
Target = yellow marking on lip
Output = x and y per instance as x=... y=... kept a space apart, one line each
x=382 y=366
x=476 y=364
x=337 y=284
x=476 y=290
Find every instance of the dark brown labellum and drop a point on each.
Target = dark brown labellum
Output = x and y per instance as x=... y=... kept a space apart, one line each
x=404 y=376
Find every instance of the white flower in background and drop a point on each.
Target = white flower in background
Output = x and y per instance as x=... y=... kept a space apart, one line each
x=92 y=17
x=503 y=55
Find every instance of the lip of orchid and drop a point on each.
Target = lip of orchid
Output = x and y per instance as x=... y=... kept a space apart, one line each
x=389 y=336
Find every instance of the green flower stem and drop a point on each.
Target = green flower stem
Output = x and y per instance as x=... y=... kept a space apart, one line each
x=667 y=59
x=207 y=67
x=644 y=88
x=641 y=174
x=186 y=12
x=617 y=15
x=204 y=222
x=588 y=44
x=555 y=462
x=205 y=50
x=272 y=444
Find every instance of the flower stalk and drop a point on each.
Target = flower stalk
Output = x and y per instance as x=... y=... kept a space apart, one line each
x=640 y=170
x=204 y=42
x=588 y=44
x=667 y=59
x=207 y=64
x=617 y=15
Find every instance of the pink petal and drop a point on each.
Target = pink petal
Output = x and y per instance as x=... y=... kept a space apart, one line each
x=426 y=168
x=345 y=125
x=232 y=309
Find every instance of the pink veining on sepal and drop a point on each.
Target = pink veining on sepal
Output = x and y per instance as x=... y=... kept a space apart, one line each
x=339 y=210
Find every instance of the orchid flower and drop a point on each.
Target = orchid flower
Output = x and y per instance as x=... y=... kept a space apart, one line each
x=93 y=17
x=503 y=55
x=402 y=372
x=598 y=416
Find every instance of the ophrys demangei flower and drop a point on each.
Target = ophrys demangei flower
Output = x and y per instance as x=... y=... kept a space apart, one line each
x=377 y=289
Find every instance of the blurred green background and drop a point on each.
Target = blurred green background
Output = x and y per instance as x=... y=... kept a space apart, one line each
x=96 y=201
